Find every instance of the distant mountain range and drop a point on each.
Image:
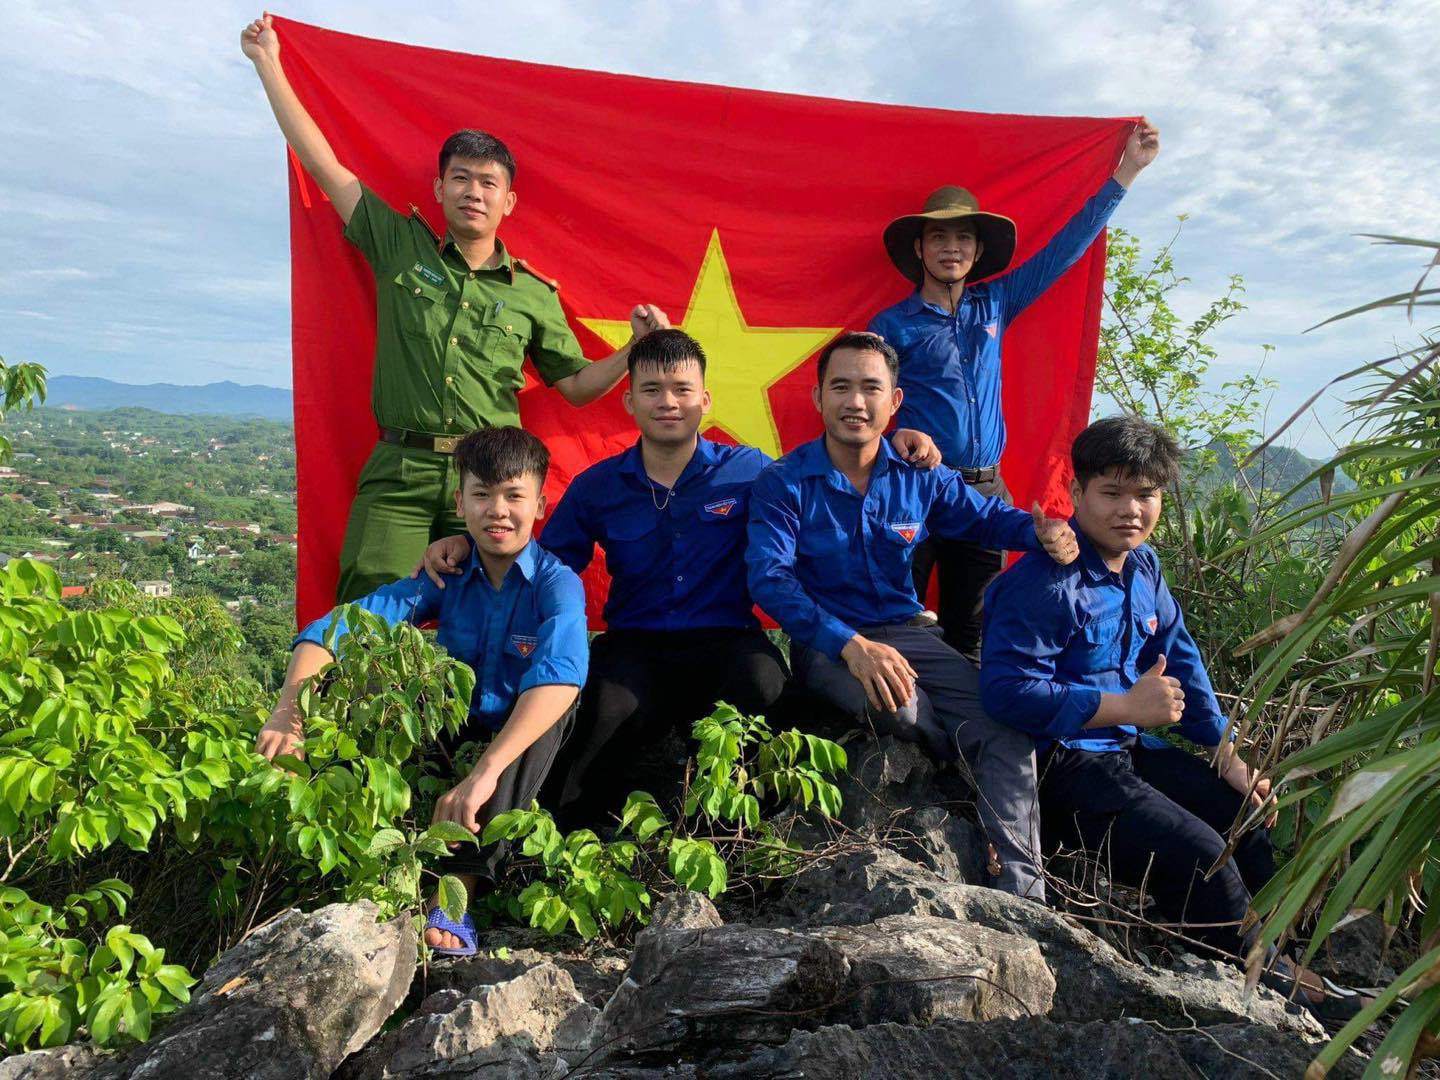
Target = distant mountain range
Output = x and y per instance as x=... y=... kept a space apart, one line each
x=212 y=399
x=1276 y=470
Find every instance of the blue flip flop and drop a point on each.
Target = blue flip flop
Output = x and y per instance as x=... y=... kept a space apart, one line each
x=464 y=930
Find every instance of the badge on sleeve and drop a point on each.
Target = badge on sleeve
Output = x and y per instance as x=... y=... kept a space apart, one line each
x=1153 y=623
x=906 y=530
x=721 y=508
x=523 y=645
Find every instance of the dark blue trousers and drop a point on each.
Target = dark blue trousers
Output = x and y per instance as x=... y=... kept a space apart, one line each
x=1159 y=816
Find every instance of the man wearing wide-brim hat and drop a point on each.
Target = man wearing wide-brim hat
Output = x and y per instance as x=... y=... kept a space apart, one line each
x=949 y=334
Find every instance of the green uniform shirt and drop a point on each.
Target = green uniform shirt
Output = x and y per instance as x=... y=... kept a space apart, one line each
x=450 y=341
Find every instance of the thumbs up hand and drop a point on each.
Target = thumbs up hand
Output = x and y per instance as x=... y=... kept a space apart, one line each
x=1055 y=536
x=1156 y=699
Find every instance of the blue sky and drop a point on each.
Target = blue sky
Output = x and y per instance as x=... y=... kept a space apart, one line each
x=143 y=183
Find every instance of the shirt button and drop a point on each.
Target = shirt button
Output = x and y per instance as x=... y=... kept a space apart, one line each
x=679 y=577
x=454 y=341
x=463 y=303
x=449 y=380
x=471 y=275
x=417 y=292
x=449 y=420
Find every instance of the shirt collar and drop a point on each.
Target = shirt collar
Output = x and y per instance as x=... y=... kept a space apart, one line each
x=632 y=461
x=528 y=561
x=505 y=263
x=1092 y=565
x=815 y=459
x=914 y=304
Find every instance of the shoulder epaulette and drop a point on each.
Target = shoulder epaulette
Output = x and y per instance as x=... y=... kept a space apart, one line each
x=537 y=274
x=418 y=216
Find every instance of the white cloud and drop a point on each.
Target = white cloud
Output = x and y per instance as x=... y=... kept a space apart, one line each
x=138 y=146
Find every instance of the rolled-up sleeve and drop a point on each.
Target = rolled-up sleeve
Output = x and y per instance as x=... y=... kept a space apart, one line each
x=562 y=649
x=770 y=568
x=1028 y=622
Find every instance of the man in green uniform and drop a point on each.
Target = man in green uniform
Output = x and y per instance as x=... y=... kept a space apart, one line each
x=456 y=316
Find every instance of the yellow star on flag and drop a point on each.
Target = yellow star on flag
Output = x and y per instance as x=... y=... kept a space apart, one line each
x=744 y=360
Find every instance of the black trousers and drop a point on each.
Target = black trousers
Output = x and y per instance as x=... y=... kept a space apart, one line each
x=965 y=570
x=644 y=684
x=1159 y=816
x=519 y=785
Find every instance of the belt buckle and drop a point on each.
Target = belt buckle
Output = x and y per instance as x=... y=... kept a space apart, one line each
x=444 y=444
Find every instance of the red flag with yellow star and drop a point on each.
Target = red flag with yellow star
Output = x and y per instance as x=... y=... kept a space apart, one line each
x=753 y=219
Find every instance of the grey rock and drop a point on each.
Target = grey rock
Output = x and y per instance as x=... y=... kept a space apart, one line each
x=57 y=1063
x=952 y=846
x=515 y=1028
x=728 y=985
x=595 y=972
x=885 y=781
x=684 y=910
x=915 y=969
x=1093 y=981
x=291 y=1001
x=1356 y=953
x=1032 y=1050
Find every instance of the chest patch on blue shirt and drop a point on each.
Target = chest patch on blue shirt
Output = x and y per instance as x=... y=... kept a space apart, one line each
x=906 y=530
x=721 y=508
x=523 y=645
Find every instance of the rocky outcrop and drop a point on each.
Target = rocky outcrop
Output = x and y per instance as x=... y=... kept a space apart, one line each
x=882 y=961
x=290 y=1002
x=712 y=987
x=1032 y=1050
x=517 y=1028
x=1092 y=980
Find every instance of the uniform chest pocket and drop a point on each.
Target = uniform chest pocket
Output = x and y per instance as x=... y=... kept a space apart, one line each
x=902 y=534
x=630 y=542
x=520 y=647
x=726 y=510
x=420 y=309
x=1097 y=647
x=503 y=335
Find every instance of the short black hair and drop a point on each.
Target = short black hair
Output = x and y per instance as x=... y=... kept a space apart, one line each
x=495 y=455
x=477 y=146
x=666 y=350
x=861 y=341
x=1132 y=448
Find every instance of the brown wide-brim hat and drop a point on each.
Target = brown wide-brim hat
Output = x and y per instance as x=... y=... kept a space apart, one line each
x=951 y=203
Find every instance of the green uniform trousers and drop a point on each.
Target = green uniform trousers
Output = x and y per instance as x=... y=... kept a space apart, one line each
x=405 y=499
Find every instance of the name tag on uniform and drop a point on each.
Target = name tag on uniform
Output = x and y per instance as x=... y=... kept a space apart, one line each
x=906 y=530
x=721 y=508
x=523 y=645
x=434 y=277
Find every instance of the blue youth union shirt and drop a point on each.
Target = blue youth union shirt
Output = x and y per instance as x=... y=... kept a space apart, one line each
x=676 y=560
x=950 y=364
x=825 y=560
x=529 y=632
x=1057 y=637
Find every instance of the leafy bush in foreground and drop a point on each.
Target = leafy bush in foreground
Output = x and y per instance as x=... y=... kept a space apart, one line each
x=142 y=835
